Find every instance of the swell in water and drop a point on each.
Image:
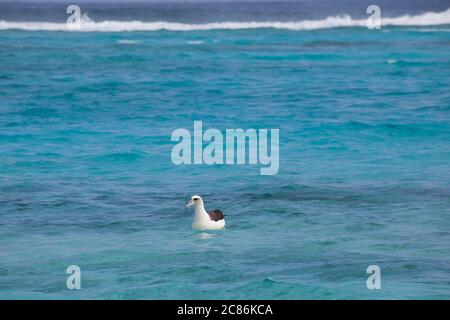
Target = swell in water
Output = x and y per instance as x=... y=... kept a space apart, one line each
x=87 y=25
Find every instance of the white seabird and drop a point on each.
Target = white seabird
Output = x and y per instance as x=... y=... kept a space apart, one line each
x=203 y=220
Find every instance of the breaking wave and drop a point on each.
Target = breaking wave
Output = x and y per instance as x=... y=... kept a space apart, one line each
x=87 y=25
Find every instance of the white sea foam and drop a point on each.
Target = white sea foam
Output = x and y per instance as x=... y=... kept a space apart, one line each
x=126 y=41
x=195 y=42
x=87 y=25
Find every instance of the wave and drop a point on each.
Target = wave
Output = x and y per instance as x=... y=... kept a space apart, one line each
x=426 y=19
x=195 y=42
x=126 y=41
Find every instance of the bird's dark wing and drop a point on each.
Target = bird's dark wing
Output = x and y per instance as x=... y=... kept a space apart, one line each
x=216 y=215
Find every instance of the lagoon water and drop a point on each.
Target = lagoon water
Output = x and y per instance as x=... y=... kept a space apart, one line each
x=86 y=176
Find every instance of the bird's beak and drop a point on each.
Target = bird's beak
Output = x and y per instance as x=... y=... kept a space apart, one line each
x=190 y=204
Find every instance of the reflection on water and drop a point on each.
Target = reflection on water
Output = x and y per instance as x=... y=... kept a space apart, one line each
x=207 y=235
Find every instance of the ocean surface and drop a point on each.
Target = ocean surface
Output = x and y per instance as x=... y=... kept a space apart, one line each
x=86 y=176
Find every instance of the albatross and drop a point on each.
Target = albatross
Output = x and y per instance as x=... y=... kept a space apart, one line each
x=203 y=220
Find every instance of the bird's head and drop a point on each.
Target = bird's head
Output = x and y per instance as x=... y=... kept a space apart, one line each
x=195 y=200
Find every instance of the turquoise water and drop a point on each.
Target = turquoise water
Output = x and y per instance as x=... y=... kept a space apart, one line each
x=86 y=176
